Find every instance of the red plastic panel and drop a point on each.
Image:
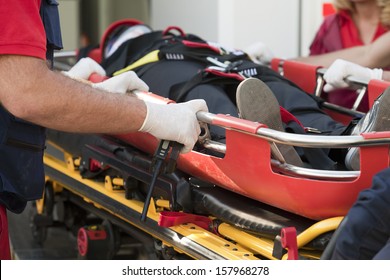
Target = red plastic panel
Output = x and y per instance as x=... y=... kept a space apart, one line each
x=246 y=169
x=96 y=55
x=302 y=74
x=375 y=88
x=275 y=63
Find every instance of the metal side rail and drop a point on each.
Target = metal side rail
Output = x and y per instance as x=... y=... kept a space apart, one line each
x=309 y=141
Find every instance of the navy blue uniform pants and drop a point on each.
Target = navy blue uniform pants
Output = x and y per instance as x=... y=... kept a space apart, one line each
x=366 y=231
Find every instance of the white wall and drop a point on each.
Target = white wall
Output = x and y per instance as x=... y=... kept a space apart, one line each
x=272 y=22
x=286 y=26
x=312 y=18
x=198 y=17
x=70 y=24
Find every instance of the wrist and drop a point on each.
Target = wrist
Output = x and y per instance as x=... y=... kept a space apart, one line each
x=150 y=108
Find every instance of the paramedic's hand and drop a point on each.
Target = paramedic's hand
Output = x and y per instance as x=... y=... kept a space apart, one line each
x=341 y=69
x=176 y=122
x=84 y=68
x=127 y=81
x=259 y=53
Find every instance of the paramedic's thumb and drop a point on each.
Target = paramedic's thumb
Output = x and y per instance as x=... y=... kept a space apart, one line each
x=337 y=73
x=127 y=81
x=84 y=68
x=175 y=122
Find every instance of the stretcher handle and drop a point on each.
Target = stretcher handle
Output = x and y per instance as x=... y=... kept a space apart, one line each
x=360 y=85
x=351 y=80
x=65 y=54
x=60 y=62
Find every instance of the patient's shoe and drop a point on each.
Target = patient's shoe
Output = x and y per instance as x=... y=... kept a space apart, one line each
x=377 y=119
x=256 y=102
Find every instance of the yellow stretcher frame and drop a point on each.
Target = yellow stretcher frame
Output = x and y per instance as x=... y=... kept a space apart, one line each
x=230 y=243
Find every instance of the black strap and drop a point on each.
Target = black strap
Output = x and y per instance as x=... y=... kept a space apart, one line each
x=179 y=92
x=316 y=157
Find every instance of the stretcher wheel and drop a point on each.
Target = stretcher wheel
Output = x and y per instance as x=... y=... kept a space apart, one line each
x=95 y=242
x=40 y=222
x=164 y=252
x=38 y=232
x=48 y=205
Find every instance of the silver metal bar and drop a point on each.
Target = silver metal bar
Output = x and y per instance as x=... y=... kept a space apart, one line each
x=60 y=66
x=359 y=98
x=303 y=140
x=65 y=54
x=288 y=169
x=350 y=80
x=355 y=83
x=276 y=153
x=318 y=141
x=342 y=110
x=318 y=174
x=292 y=170
x=214 y=146
x=320 y=85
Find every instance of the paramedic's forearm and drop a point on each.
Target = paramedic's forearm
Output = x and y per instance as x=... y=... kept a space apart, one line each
x=374 y=55
x=54 y=101
x=378 y=52
x=356 y=55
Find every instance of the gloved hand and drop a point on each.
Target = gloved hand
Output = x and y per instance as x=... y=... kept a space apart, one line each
x=127 y=81
x=122 y=83
x=259 y=53
x=341 y=69
x=176 y=122
x=84 y=68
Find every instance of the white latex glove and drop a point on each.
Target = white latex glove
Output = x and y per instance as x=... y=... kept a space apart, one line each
x=127 y=81
x=340 y=69
x=84 y=68
x=259 y=53
x=175 y=122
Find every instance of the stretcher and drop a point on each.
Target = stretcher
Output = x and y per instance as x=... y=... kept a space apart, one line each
x=221 y=201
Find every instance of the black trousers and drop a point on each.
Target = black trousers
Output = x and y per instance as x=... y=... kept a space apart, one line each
x=365 y=233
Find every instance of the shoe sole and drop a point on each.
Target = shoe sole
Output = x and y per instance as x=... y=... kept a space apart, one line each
x=256 y=102
x=352 y=159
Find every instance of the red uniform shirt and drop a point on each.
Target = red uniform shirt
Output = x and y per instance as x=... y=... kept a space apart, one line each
x=21 y=28
x=338 y=31
x=349 y=33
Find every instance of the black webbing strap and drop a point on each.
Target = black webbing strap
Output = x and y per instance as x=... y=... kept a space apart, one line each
x=316 y=157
